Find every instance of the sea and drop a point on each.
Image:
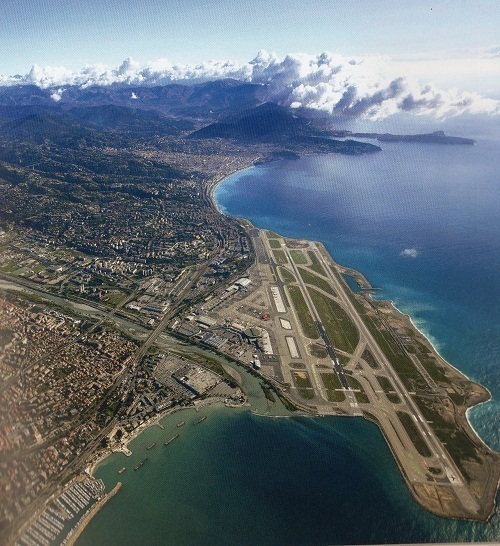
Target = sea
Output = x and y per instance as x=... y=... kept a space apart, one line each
x=421 y=222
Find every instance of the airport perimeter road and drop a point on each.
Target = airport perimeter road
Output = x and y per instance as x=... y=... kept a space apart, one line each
x=451 y=470
x=321 y=330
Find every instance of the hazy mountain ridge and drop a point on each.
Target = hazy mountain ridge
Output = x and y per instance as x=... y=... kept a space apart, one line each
x=223 y=109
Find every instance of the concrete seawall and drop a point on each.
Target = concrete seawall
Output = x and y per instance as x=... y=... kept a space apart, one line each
x=80 y=526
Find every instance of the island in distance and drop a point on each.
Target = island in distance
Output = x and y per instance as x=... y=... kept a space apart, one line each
x=437 y=137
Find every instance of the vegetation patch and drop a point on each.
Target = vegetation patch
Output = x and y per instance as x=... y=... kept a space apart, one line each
x=343 y=359
x=280 y=257
x=359 y=392
x=335 y=396
x=400 y=361
x=339 y=327
x=298 y=256
x=458 y=444
x=274 y=243
x=315 y=263
x=272 y=235
x=388 y=389
x=370 y=359
x=433 y=368
x=268 y=392
x=285 y=275
x=305 y=319
x=302 y=380
x=311 y=278
x=317 y=350
x=331 y=381
x=288 y=405
x=293 y=243
x=307 y=394
x=414 y=434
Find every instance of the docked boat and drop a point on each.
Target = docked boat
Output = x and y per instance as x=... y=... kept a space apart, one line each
x=140 y=464
x=172 y=439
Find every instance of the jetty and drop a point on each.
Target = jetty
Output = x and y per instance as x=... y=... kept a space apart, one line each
x=75 y=533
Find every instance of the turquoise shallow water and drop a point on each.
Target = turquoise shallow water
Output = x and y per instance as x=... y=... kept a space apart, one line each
x=240 y=478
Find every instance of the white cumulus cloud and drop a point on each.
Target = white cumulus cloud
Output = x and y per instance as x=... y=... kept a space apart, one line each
x=57 y=95
x=372 y=86
x=409 y=253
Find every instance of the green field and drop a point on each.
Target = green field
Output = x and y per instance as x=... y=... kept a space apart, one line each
x=286 y=275
x=302 y=380
x=274 y=243
x=400 y=361
x=306 y=321
x=457 y=442
x=280 y=257
x=339 y=327
x=433 y=368
x=332 y=382
x=360 y=393
x=316 y=265
x=388 y=389
x=298 y=256
x=414 y=434
x=370 y=360
x=311 y=278
x=335 y=396
x=317 y=350
x=307 y=394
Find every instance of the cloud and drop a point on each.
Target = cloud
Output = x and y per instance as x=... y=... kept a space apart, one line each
x=372 y=87
x=57 y=95
x=409 y=253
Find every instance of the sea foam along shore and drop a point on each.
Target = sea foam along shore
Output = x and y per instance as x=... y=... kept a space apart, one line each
x=427 y=337
x=393 y=305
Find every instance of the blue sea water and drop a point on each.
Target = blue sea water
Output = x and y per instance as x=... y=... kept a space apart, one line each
x=241 y=478
x=422 y=222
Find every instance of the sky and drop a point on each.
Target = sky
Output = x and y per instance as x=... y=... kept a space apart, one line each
x=446 y=43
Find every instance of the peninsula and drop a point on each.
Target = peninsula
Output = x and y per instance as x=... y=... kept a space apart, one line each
x=112 y=246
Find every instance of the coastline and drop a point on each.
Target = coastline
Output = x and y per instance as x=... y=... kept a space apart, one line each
x=75 y=533
x=464 y=407
x=212 y=186
x=210 y=194
x=124 y=443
